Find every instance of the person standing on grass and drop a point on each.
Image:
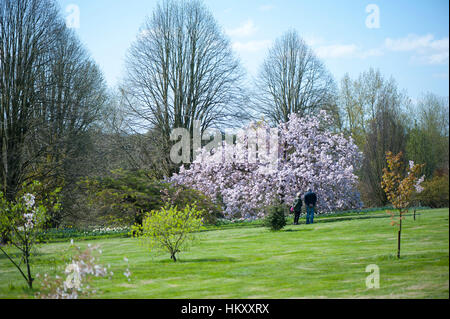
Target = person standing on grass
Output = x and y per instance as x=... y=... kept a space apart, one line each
x=310 y=202
x=297 y=208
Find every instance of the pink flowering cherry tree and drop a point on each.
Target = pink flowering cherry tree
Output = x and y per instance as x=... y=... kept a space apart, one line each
x=276 y=163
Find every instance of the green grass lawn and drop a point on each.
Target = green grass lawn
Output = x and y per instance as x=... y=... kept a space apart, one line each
x=325 y=260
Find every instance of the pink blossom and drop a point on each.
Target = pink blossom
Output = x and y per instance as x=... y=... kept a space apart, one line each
x=307 y=155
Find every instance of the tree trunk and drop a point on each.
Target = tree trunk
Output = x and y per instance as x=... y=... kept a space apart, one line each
x=30 y=279
x=399 y=236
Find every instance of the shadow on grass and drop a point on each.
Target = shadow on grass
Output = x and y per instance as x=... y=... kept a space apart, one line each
x=317 y=219
x=199 y=260
x=320 y=220
x=298 y=229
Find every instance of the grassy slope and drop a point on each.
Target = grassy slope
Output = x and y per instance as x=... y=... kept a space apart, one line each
x=327 y=259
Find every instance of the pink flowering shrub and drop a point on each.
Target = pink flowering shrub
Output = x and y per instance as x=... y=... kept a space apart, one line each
x=276 y=163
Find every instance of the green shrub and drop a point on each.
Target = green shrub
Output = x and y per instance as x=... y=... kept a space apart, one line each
x=170 y=229
x=276 y=218
x=435 y=193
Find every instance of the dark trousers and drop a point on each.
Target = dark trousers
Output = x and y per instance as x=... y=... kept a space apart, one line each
x=296 y=217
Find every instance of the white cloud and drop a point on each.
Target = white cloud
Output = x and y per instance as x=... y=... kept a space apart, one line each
x=248 y=28
x=426 y=49
x=313 y=41
x=336 y=50
x=410 y=43
x=371 y=52
x=441 y=75
x=441 y=44
x=251 y=46
x=325 y=50
x=345 y=51
x=437 y=58
x=266 y=7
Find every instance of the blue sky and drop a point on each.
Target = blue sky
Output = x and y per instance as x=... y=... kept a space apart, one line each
x=408 y=40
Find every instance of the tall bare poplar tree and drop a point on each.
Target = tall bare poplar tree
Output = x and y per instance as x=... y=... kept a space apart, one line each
x=180 y=69
x=292 y=80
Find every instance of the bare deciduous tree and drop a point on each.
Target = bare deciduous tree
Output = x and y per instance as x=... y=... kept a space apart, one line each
x=27 y=31
x=181 y=69
x=292 y=80
x=72 y=96
x=51 y=93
